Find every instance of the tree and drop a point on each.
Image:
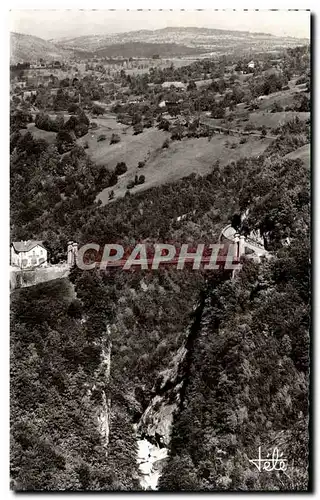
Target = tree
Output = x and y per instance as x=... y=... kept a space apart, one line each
x=65 y=141
x=121 y=168
x=177 y=133
x=113 y=179
x=148 y=121
x=138 y=128
x=79 y=124
x=130 y=185
x=304 y=104
x=136 y=118
x=73 y=108
x=97 y=110
x=191 y=86
x=115 y=138
x=263 y=131
x=218 y=111
x=164 y=124
x=101 y=137
x=141 y=179
x=42 y=121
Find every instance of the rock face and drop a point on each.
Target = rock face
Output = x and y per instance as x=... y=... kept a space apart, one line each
x=154 y=434
x=103 y=417
x=155 y=425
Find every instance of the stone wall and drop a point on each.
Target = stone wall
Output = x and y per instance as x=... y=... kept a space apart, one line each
x=21 y=279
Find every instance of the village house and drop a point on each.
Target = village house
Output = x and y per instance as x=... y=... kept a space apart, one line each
x=251 y=64
x=22 y=84
x=28 y=93
x=28 y=254
x=176 y=85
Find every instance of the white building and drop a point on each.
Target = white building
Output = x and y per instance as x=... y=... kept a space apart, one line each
x=28 y=254
x=251 y=64
x=177 y=85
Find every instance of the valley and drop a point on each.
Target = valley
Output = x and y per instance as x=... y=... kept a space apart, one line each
x=162 y=379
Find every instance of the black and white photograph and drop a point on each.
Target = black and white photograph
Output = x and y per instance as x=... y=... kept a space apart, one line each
x=160 y=250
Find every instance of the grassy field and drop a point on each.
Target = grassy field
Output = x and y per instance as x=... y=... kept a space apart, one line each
x=284 y=98
x=303 y=153
x=271 y=120
x=131 y=149
x=180 y=160
x=50 y=137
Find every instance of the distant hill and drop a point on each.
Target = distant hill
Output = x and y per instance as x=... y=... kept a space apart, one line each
x=143 y=49
x=166 y=42
x=201 y=39
x=27 y=48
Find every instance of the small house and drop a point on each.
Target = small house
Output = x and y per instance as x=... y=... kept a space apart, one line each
x=176 y=85
x=28 y=254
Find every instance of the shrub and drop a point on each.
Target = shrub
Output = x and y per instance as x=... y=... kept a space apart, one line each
x=166 y=143
x=276 y=108
x=113 y=179
x=73 y=108
x=97 y=110
x=121 y=168
x=19 y=119
x=177 y=133
x=78 y=123
x=42 y=121
x=138 y=128
x=304 y=104
x=115 y=138
x=141 y=179
x=101 y=137
x=148 y=122
x=164 y=124
x=130 y=185
x=302 y=79
x=218 y=112
x=65 y=141
x=141 y=164
x=253 y=106
x=136 y=119
x=263 y=132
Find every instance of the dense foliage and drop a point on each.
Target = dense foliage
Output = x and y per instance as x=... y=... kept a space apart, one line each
x=246 y=382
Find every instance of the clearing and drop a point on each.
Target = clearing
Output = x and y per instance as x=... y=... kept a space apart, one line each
x=303 y=153
x=181 y=159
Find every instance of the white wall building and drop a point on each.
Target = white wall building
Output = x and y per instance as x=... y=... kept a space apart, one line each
x=28 y=254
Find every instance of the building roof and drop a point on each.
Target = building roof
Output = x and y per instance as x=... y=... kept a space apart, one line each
x=180 y=85
x=26 y=246
x=229 y=232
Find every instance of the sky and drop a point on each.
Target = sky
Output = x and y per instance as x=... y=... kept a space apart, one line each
x=49 y=24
